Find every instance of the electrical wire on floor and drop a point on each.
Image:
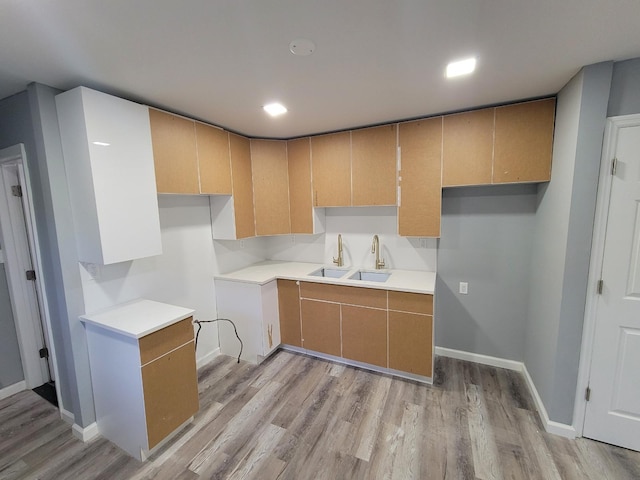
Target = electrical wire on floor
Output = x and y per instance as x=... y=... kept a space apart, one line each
x=200 y=322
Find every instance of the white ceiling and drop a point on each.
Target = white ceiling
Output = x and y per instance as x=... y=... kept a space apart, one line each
x=375 y=60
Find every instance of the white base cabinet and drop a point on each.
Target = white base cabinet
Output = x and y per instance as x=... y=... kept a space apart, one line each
x=253 y=308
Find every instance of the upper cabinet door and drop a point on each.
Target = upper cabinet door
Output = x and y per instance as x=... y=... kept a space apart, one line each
x=214 y=160
x=300 y=194
x=468 y=148
x=373 y=165
x=174 y=153
x=331 y=169
x=270 y=186
x=524 y=141
x=242 y=186
x=420 y=178
x=106 y=142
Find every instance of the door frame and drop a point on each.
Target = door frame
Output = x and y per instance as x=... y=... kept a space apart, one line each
x=28 y=332
x=612 y=129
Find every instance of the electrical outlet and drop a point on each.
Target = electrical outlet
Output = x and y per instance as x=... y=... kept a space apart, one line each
x=241 y=243
x=464 y=288
x=423 y=243
x=293 y=239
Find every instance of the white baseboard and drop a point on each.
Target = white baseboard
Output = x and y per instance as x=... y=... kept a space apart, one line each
x=67 y=416
x=561 y=429
x=557 y=428
x=85 y=433
x=208 y=358
x=481 y=359
x=12 y=389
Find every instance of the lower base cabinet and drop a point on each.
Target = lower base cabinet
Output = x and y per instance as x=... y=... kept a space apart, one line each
x=386 y=329
x=145 y=387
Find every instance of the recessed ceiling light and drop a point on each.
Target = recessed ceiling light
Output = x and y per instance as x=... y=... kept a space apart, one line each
x=461 y=67
x=275 y=109
x=102 y=144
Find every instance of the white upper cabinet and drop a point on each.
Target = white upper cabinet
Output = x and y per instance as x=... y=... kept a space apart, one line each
x=108 y=157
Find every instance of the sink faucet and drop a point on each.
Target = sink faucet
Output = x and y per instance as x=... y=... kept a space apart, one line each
x=339 y=261
x=375 y=248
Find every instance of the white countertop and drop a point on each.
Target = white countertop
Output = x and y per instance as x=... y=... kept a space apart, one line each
x=400 y=280
x=138 y=317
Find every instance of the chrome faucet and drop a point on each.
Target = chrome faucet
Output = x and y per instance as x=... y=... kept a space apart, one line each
x=339 y=261
x=375 y=248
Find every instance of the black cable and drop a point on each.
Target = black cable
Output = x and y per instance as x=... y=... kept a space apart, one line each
x=200 y=322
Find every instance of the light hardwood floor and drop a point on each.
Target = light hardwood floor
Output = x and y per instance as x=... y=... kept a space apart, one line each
x=296 y=417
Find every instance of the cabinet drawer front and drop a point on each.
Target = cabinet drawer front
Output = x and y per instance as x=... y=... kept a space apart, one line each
x=170 y=388
x=410 y=343
x=411 y=302
x=364 y=335
x=366 y=297
x=158 y=343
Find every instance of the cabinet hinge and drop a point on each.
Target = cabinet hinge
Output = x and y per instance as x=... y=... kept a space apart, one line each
x=600 y=286
x=16 y=190
x=587 y=394
x=614 y=166
x=31 y=274
x=44 y=352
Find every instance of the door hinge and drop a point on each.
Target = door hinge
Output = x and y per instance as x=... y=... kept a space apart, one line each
x=31 y=274
x=44 y=352
x=600 y=286
x=587 y=394
x=614 y=166
x=16 y=190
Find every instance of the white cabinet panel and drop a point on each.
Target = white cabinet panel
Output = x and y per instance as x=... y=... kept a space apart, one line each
x=108 y=157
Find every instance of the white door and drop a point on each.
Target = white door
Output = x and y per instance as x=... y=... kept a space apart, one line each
x=613 y=410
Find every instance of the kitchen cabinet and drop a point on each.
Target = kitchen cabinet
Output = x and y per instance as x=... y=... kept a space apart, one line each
x=364 y=334
x=143 y=373
x=411 y=333
x=373 y=165
x=289 y=312
x=270 y=179
x=233 y=217
x=468 y=148
x=254 y=310
x=420 y=185
x=107 y=148
x=303 y=217
x=331 y=169
x=174 y=153
x=524 y=142
x=214 y=160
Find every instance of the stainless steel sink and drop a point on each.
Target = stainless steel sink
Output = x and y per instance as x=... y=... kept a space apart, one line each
x=329 y=272
x=366 y=276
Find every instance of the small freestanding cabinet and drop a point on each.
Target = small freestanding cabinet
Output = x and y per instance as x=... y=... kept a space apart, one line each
x=143 y=373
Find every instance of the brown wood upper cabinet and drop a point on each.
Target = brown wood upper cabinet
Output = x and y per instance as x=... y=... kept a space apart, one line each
x=190 y=157
x=174 y=153
x=245 y=225
x=523 y=142
x=420 y=177
x=214 y=160
x=373 y=165
x=468 y=148
x=331 y=167
x=270 y=186
x=507 y=144
x=300 y=191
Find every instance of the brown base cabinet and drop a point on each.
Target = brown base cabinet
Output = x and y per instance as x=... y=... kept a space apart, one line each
x=386 y=329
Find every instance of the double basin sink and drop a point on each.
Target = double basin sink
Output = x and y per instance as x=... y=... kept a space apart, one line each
x=362 y=275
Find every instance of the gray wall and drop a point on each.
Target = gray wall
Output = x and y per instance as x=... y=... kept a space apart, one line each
x=625 y=88
x=486 y=241
x=10 y=363
x=57 y=245
x=562 y=241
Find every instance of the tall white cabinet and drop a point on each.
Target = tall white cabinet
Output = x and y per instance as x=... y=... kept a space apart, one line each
x=106 y=142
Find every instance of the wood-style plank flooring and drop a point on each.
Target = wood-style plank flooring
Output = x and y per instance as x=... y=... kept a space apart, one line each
x=296 y=417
